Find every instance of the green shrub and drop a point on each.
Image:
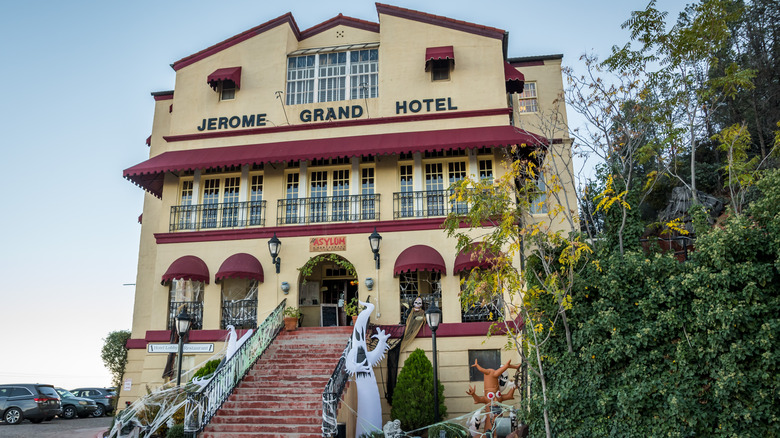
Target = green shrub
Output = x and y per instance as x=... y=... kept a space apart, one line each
x=176 y=431
x=208 y=368
x=413 y=396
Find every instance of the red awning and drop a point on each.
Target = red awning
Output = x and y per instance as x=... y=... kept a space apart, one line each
x=187 y=268
x=225 y=74
x=151 y=173
x=471 y=258
x=241 y=265
x=419 y=258
x=437 y=53
x=514 y=79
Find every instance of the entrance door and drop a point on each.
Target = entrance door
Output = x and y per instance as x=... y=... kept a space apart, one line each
x=333 y=291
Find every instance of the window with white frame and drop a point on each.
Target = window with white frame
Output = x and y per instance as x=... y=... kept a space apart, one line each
x=333 y=183
x=220 y=198
x=407 y=190
x=368 y=202
x=227 y=90
x=527 y=101
x=291 y=196
x=333 y=76
x=256 y=200
x=539 y=202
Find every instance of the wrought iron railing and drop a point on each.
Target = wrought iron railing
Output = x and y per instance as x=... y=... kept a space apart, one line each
x=224 y=215
x=348 y=208
x=241 y=314
x=428 y=203
x=488 y=312
x=332 y=394
x=194 y=309
x=204 y=403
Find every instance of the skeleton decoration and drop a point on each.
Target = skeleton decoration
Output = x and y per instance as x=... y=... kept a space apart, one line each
x=360 y=363
x=493 y=392
x=392 y=429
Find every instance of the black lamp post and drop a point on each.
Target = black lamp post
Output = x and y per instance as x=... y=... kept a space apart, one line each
x=433 y=318
x=274 y=246
x=374 y=240
x=183 y=322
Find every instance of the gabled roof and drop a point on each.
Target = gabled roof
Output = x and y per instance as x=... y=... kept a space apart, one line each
x=339 y=20
x=438 y=20
x=342 y=20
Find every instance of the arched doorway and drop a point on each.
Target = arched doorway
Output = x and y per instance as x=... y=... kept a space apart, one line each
x=327 y=282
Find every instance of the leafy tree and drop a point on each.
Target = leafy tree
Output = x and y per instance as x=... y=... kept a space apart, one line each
x=413 y=395
x=114 y=354
x=676 y=63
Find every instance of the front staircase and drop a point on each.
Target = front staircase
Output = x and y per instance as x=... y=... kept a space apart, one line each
x=281 y=396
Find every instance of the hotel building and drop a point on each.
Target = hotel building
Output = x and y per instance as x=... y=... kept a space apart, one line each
x=320 y=137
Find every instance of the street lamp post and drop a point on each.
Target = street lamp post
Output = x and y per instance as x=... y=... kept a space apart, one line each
x=274 y=246
x=374 y=240
x=183 y=322
x=433 y=318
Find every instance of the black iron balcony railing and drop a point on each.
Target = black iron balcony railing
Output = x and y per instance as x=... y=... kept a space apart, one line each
x=241 y=314
x=194 y=309
x=488 y=312
x=428 y=203
x=224 y=215
x=348 y=208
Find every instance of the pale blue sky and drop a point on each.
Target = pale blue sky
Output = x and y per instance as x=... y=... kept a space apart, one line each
x=77 y=110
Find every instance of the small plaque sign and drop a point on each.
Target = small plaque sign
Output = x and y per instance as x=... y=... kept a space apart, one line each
x=174 y=348
x=330 y=243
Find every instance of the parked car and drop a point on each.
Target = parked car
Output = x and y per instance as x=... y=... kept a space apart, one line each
x=103 y=396
x=34 y=402
x=73 y=406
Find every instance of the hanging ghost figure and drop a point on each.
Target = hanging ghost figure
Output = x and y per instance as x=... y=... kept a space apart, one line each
x=360 y=363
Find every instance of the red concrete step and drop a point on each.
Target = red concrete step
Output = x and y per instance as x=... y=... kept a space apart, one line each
x=281 y=396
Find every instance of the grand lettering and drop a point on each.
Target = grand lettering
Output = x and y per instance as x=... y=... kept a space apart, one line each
x=245 y=121
x=326 y=114
x=426 y=105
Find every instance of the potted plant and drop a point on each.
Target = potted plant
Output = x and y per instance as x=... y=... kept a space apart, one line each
x=353 y=308
x=291 y=315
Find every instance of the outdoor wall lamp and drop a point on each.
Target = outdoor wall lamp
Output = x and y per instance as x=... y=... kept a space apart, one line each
x=433 y=318
x=374 y=240
x=274 y=246
x=183 y=323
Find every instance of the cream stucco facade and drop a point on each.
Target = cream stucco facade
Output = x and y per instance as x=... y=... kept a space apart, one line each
x=218 y=184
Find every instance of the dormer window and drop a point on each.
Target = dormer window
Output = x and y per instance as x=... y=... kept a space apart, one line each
x=439 y=61
x=227 y=90
x=225 y=81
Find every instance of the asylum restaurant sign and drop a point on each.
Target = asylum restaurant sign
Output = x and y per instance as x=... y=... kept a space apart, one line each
x=328 y=114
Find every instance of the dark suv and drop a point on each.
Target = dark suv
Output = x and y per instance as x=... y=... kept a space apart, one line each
x=34 y=402
x=103 y=396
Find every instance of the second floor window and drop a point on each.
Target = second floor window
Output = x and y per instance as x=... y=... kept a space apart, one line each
x=334 y=76
x=527 y=102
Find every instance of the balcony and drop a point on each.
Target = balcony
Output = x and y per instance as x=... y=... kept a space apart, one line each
x=348 y=208
x=241 y=314
x=211 y=216
x=429 y=203
x=193 y=308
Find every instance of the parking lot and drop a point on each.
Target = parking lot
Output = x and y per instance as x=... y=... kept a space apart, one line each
x=57 y=428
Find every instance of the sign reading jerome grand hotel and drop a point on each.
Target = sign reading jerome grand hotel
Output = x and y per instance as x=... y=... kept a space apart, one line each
x=327 y=114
